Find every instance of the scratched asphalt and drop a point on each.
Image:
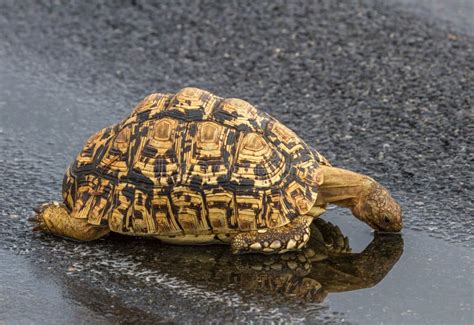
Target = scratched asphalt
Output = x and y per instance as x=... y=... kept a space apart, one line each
x=374 y=86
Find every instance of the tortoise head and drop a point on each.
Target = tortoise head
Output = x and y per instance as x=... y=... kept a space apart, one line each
x=379 y=209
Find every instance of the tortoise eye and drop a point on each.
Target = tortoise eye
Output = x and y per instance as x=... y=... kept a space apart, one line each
x=386 y=219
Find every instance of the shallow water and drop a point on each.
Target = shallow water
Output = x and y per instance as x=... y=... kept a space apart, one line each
x=412 y=278
x=28 y=296
x=389 y=278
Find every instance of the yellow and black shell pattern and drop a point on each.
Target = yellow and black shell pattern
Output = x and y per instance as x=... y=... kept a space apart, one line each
x=192 y=163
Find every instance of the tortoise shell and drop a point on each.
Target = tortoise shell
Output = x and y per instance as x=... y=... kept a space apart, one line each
x=192 y=163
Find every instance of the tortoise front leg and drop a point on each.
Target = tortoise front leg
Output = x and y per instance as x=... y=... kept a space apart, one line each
x=293 y=236
x=55 y=218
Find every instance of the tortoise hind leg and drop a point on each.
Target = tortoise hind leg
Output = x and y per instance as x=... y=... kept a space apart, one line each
x=292 y=236
x=56 y=219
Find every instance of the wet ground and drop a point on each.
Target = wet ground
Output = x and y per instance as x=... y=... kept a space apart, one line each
x=378 y=88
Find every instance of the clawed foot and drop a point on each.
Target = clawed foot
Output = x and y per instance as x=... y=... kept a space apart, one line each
x=48 y=216
x=329 y=237
x=55 y=218
x=37 y=220
x=293 y=236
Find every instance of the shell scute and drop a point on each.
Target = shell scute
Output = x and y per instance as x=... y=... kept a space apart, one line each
x=249 y=208
x=207 y=154
x=239 y=114
x=190 y=210
x=220 y=205
x=93 y=148
x=156 y=102
x=283 y=137
x=158 y=154
x=93 y=200
x=257 y=163
x=191 y=104
x=69 y=189
x=114 y=162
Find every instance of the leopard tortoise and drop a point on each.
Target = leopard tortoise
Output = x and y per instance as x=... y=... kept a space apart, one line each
x=195 y=168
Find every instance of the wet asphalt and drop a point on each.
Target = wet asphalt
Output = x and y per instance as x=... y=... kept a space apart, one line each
x=385 y=89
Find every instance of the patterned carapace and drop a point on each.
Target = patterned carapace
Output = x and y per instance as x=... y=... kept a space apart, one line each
x=192 y=163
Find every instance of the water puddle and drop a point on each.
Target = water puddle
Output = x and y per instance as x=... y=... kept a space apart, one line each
x=30 y=297
x=432 y=282
x=350 y=275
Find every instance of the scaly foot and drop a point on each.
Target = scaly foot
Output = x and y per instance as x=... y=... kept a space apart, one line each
x=56 y=219
x=291 y=237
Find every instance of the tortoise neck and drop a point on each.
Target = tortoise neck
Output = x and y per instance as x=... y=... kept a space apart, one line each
x=341 y=187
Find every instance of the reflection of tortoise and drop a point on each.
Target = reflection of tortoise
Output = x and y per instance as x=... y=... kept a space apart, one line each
x=325 y=265
x=194 y=168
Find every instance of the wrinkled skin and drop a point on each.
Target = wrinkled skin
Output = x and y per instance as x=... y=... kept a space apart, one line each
x=379 y=210
x=369 y=201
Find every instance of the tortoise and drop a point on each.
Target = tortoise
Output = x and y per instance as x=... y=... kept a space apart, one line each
x=195 y=168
